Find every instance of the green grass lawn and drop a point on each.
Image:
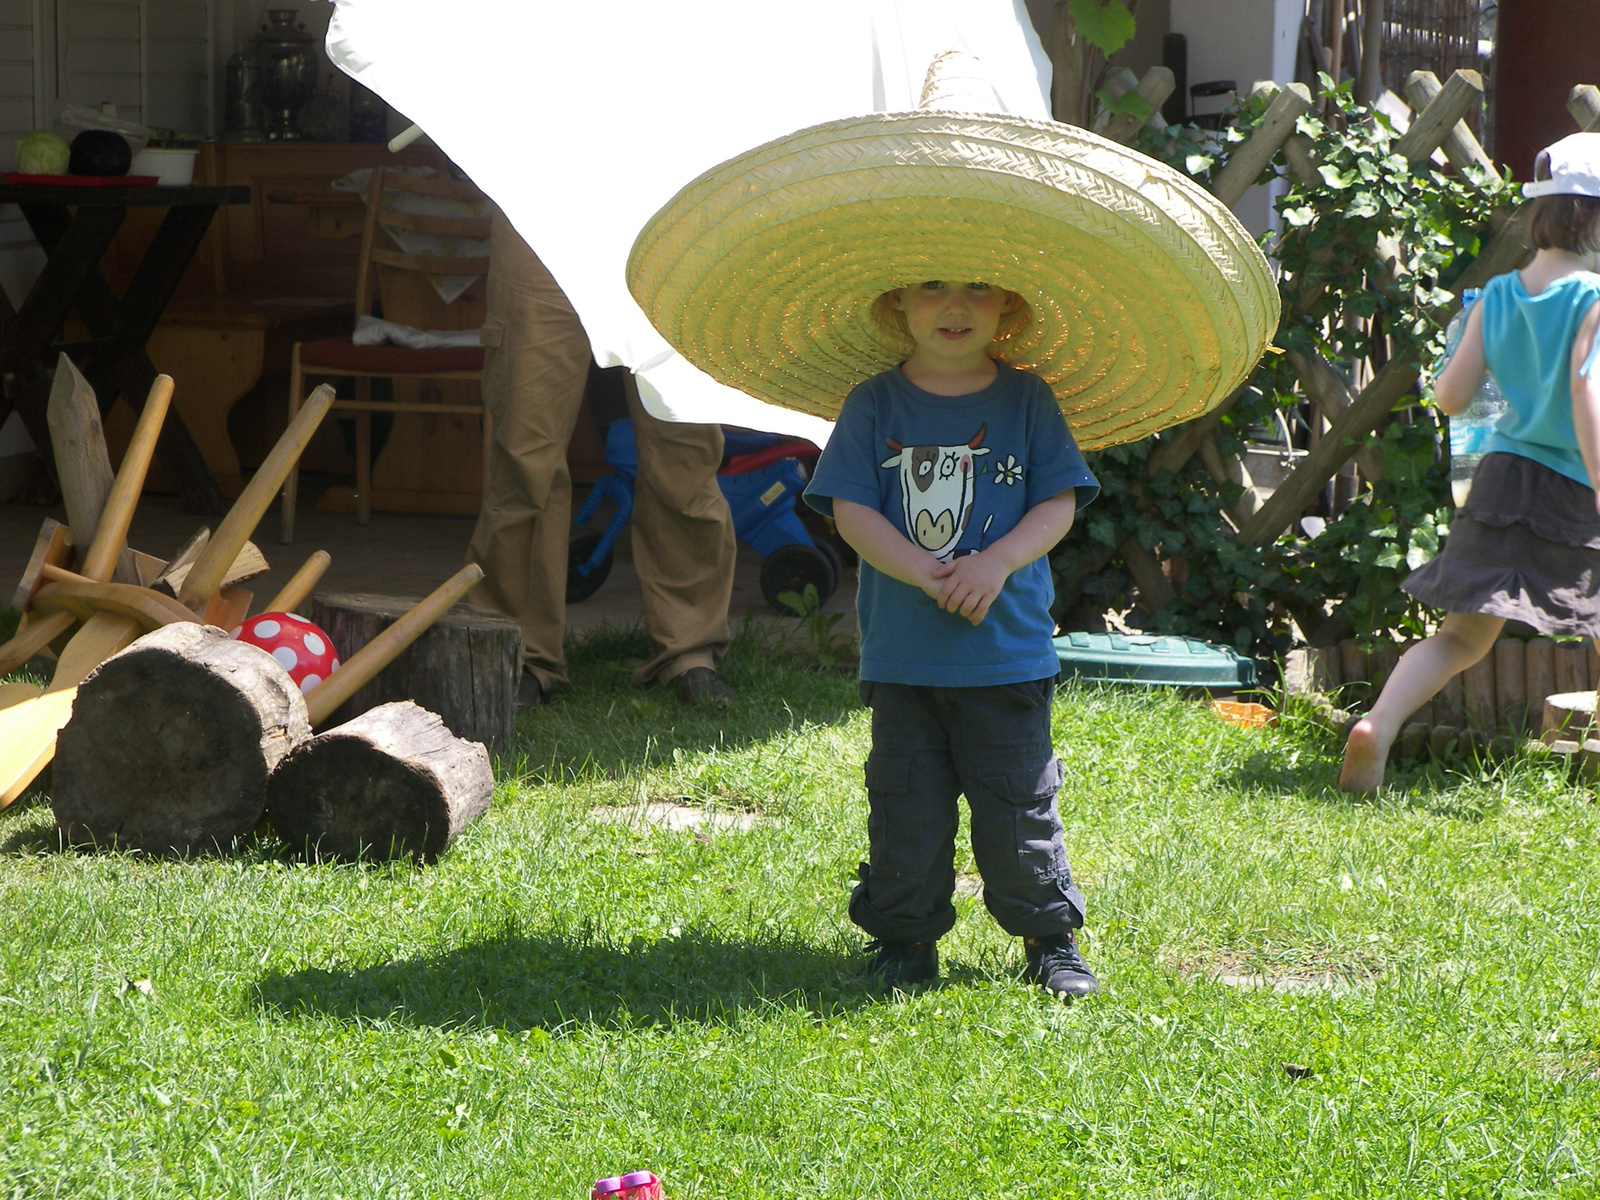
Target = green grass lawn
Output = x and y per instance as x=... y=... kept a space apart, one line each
x=564 y=997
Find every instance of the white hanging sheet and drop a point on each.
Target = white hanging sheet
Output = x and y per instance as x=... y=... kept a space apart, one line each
x=582 y=118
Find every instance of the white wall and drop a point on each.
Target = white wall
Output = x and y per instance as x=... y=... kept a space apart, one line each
x=1242 y=40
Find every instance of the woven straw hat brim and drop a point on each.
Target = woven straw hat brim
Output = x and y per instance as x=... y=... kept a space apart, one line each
x=1149 y=301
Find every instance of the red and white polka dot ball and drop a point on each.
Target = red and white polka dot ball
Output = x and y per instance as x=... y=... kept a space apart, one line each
x=300 y=647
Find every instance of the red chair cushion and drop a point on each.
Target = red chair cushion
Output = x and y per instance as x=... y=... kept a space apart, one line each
x=340 y=354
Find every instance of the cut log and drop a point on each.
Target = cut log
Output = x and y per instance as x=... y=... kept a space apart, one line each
x=171 y=742
x=465 y=667
x=1568 y=716
x=393 y=783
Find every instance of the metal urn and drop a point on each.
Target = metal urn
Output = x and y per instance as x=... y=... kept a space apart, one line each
x=242 y=110
x=289 y=63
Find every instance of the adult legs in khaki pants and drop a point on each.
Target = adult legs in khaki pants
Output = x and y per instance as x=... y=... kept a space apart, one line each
x=535 y=366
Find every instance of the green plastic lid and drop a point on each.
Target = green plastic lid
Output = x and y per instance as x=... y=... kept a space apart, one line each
x=1152 y=661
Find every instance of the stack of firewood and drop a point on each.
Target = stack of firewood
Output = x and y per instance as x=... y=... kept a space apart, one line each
x=171 y=737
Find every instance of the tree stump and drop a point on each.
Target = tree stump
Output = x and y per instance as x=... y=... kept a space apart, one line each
x=466 y=667
x=393 y=783
x=171 y=742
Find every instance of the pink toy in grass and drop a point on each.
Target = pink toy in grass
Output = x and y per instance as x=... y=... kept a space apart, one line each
x=300 y=647
x=637 y=1185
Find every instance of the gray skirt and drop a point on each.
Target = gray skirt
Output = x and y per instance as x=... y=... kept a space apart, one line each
x=1525 y=547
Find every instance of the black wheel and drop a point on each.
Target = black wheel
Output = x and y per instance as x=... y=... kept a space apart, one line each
x=790 y=569
x=581 y=587
x=831 y=553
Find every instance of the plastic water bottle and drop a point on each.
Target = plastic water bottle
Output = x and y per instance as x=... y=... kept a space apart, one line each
x=1470 y=430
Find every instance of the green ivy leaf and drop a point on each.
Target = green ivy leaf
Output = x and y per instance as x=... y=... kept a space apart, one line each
x=1130 y=103
x=1105 y=24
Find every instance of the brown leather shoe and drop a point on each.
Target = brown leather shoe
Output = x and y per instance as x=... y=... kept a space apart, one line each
x=701 y=685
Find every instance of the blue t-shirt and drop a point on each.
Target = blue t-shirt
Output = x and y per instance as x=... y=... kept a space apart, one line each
x=1527 y=341
x=952 y=473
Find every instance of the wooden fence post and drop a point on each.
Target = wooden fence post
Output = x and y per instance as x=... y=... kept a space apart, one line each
x=1583 y=102
x=1459 y=146
x=1247 y=161
x=1155 y=87
x=1435 y=123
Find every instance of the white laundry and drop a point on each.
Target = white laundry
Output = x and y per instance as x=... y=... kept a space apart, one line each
x=370 y=331
x=581 y=120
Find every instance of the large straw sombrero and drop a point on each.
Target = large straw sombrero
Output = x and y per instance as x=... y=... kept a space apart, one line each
x=1147 y=300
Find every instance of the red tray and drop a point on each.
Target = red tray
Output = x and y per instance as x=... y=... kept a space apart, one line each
x=83 y=180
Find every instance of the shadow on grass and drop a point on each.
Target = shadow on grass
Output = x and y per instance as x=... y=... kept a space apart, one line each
x=520 y=981
x=605 y=724
x=1452 y=789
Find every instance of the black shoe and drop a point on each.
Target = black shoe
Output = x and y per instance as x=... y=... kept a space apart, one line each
x=900 y=964
x=1055 y=965
x=702 y=685
x=531 y=692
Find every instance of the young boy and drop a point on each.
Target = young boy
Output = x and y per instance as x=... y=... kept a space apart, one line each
x=953 y=476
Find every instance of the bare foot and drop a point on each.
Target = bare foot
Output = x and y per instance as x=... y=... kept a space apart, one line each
x=1364 y=759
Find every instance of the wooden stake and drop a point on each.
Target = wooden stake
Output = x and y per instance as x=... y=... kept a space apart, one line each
x=208 y=571
x=299 y=587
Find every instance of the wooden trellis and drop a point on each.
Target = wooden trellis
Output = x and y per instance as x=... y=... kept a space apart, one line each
x=1352 y=417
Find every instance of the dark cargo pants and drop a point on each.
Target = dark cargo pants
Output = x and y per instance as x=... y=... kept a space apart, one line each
x=930 y=745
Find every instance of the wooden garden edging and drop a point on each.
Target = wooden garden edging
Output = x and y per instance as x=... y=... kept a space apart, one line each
x=1522 y=688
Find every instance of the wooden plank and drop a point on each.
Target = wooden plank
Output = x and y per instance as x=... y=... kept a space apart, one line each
x=1248 y=160
x=32 y=639
x=53 y=547
x=83 y=466
x=32 y=724
x=106 y=551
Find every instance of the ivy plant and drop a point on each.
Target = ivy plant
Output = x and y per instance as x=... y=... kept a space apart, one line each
x=1369 y=249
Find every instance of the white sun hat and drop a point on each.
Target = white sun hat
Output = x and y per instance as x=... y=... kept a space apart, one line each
x=1147 y=301
x=1570 y=167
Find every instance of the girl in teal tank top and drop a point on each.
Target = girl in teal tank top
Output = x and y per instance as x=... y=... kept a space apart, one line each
x=1526 y=546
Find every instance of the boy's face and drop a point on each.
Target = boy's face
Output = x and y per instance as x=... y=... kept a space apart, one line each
x=953 y=320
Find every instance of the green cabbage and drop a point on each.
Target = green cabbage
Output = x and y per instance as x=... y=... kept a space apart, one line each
x=42 y=154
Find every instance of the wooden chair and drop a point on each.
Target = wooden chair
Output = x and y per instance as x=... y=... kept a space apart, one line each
x=341 y=357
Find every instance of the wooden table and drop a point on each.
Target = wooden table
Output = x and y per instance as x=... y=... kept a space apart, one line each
x=75 y=226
